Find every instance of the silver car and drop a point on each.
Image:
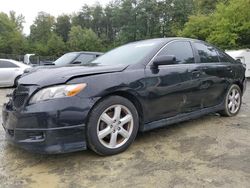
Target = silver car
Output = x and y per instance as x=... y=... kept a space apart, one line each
x=10 y=72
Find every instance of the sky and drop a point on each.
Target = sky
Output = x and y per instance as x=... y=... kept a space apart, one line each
x=30 y=8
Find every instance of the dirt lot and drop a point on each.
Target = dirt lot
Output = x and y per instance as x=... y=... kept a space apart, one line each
x=211 y=151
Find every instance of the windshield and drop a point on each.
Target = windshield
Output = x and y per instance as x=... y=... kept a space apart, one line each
x=128 y=54
x=65 y=59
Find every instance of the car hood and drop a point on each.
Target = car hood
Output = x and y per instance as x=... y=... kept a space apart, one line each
x=34 y=69
x=59 y=75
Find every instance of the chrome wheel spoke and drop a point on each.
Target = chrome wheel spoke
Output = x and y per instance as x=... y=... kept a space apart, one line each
x=105 y=132
x=106 y=119
x=125 y=120
x=230 y=105
x=124 y=133
x=237 y=96
x=233 y=93
x=113 y=139
x=230 y=97
x=117 y=113
x=233 y=108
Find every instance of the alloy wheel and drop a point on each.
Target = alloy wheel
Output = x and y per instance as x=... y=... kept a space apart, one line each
x=234 y=101
x=115 y=126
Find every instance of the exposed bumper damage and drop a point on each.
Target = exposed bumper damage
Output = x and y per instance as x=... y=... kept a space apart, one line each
x=49 y=127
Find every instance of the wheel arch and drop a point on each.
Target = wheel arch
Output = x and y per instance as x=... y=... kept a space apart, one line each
x=238 y=83
x=132 y=98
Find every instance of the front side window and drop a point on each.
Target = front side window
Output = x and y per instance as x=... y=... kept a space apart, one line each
x=182 y=50
x=208 y=54
x=7 y=64
x=84 y=58
x=66 y=59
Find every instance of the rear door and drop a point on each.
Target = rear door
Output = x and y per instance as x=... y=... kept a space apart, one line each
x=7 y=72
x=215 y=74
x=169 y=86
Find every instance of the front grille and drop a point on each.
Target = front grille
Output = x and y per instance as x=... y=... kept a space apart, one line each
x=20 y=96
x=19 y=100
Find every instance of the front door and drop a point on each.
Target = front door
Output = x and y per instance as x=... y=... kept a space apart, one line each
x=168 y=85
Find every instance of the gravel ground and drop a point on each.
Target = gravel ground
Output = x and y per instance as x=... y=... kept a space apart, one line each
x=212 y=151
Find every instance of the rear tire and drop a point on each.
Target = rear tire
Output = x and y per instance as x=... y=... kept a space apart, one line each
x=112 y=125
x=232 y=102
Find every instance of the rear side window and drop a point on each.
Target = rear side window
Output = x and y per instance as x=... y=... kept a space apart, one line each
x=7 y=64
x=207 y=53
x=85 y=58
x=182 y=50
x=225 y=58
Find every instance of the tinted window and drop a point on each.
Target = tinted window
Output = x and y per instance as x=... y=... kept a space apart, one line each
x=66 y=59
x=208 y=54
x=7 y=64
x=85 y=58
x=225 y=58
x=181 y=50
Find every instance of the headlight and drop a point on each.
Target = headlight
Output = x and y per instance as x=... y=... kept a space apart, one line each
x=59 y=91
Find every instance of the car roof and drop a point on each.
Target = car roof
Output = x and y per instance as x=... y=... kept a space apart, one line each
x=20 y=64
x=168 y=39
x=88 y=52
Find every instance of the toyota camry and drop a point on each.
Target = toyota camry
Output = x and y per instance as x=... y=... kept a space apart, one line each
x=136 y=87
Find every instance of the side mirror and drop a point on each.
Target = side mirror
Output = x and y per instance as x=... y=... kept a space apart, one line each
x=239 y=60
x=77 y=62
x=164 y=60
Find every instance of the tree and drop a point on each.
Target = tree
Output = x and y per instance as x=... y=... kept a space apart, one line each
x=56 y=46
x=207 y=6
x=18 y=20
x=83 y=40
x=83 y=18
x=41 y=29
x=62 y=26
x=197 y=27
x=228 y=27
x=11 y=38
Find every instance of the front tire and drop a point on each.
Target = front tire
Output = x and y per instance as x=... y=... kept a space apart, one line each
x=16 y=80
x=233 y=101
x=112 y=125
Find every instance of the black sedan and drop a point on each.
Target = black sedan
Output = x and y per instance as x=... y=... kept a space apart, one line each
x=136 y=87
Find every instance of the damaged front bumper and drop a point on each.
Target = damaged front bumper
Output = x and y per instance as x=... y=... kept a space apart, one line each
x=50 y=127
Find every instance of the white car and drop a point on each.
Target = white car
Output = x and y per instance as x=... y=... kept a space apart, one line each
x=10 y=72
x=242 y=55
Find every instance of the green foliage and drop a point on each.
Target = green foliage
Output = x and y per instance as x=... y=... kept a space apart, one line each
x=83 y=40
x=56 y=45
x=41 y=29
x=62 y=26
x=228 y=27
x=197 y=27
x=96 y=28
x=11 y=38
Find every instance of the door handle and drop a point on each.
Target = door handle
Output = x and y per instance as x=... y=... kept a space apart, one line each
x=230 y=69
x=196 y=73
